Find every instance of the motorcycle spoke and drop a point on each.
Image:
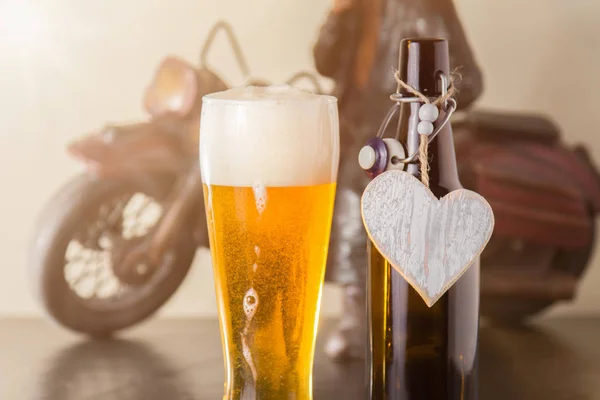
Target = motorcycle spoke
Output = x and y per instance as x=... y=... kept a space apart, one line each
x=85 y=266
x=137 y=213
x=117 y=228
x=121 y=291
x=96 y=288
x=140 y=215
x=85 y=274
x=114 y=219
x=108 y=219
x=105 y=278
x=82 y=277
x=110 y=240
x=75 y=260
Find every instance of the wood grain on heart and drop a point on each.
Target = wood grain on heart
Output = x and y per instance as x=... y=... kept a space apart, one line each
x=430 y=242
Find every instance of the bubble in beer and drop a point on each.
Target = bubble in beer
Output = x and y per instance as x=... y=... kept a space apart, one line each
x=250 y=303
x=257 y=251
x=248 y=356
x=260 y=196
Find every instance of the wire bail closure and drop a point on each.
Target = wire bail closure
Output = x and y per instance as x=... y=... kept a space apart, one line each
x=449 y=106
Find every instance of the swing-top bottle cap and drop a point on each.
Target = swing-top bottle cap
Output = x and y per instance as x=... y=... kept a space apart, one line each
x=420 y=62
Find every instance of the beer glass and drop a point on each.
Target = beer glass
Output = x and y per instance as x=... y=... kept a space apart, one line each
x=269 y=160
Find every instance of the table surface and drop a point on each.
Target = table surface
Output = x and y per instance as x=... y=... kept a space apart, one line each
x=181 y=359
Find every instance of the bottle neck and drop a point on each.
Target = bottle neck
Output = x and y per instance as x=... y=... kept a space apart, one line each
x=443 y=172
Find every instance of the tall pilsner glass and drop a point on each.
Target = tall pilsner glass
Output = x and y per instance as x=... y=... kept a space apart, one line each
x=269 y=160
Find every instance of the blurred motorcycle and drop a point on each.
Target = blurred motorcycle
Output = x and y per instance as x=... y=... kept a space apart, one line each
x=116 y=242
x=545 y=195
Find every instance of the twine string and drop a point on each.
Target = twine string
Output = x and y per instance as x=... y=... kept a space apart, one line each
x=424 y=139
x=424 y=159
x=449 y=93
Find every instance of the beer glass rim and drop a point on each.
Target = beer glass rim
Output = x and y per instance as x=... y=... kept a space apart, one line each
x=214 y=98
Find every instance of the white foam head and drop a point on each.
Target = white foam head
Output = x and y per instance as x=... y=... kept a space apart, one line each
x=272 y=136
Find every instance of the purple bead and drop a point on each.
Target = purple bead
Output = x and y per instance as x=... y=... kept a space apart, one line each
x=380 y=164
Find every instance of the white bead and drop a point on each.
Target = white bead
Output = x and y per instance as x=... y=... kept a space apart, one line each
x=428 y=112
x=367 y=157
x=425 y=128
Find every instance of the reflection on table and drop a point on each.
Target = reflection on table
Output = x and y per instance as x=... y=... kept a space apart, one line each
x=181 y=359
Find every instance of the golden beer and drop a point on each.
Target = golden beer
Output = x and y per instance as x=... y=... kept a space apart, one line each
x=269 y=163
x=269 y=270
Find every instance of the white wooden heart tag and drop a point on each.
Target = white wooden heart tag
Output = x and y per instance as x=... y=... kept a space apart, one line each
x=430 y=242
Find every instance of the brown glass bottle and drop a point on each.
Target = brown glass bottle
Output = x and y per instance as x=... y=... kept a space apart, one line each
x=417 y=352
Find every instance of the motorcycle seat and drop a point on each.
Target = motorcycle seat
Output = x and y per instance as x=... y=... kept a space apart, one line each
x=512 y=126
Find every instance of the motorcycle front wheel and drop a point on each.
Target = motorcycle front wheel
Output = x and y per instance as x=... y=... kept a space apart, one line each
x=75 y=245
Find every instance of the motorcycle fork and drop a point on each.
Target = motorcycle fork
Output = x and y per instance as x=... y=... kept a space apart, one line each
x=185 y=196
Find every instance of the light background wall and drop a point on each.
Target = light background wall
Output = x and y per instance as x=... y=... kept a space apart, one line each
x=67 y=67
